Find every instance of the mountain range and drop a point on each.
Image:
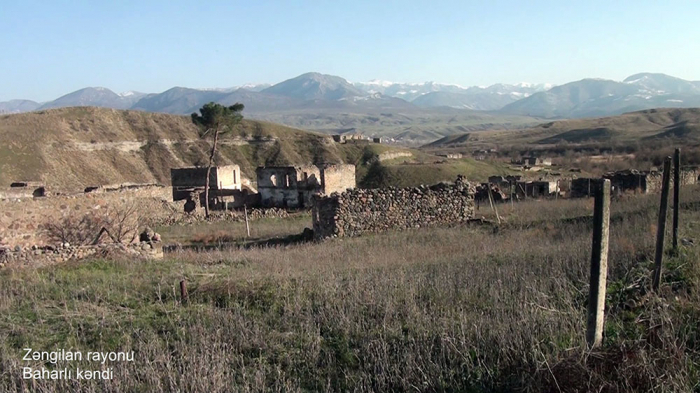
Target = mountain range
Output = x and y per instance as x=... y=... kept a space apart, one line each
x=601 y=97
x=426 y=110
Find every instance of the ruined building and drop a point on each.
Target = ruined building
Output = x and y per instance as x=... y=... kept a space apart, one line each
x=532 y=161
x=294 y=186
x=227 y=189
x=632 y=181
x=646 y=182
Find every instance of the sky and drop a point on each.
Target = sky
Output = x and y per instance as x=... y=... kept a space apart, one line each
x=50 y=48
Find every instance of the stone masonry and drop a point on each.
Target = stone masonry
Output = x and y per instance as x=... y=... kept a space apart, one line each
x=357 y=211
x=22 y=219
x=46 y=255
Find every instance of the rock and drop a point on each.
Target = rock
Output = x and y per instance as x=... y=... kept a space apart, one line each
x=147 y=235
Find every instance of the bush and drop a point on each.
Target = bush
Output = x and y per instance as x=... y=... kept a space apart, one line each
x=74 y=229
x=121 y=223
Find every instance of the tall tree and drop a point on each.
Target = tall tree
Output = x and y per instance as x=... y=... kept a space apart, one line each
x=378 y=176
x=215 y=119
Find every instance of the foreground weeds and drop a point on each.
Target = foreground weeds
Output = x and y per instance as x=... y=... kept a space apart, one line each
x=438 y=310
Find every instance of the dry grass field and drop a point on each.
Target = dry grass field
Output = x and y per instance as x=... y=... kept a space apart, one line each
x=463 y=309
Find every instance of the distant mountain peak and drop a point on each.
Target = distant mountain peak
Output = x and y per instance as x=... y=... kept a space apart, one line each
x=315 y=86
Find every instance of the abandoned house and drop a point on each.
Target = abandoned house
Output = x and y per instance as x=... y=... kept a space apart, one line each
x=531 y=161
x=645 y=182
x=537 y=188
x=227 y=189
x=294 y=186
x=453 y=156
x=343 y=138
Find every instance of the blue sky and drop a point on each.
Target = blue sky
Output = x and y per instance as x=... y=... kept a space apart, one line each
x=50 y=48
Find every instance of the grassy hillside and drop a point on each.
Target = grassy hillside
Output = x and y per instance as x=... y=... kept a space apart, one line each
x=76 y=147
x=72 y=148
x=680 y=126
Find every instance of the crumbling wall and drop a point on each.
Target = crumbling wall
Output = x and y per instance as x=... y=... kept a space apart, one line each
x=357 y=211
x=287 y=186
x=337 y=178
x=294 y=186
x=46 y=255
x=22 y=220
x=227 y=177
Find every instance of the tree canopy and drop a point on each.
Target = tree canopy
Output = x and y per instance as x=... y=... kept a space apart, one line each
x=378 y=176
x=215 y=117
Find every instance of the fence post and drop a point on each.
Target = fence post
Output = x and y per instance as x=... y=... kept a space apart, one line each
x=661 y=225
x=512 y=194
x=245 y=211
x=183 y=292
x=676 y=195
x=492 y=201
x=599 y=265
x=589 y=187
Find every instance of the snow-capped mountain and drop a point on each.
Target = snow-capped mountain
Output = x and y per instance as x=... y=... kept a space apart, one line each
x=433 y=94
x=315 y=91
x=601 y=97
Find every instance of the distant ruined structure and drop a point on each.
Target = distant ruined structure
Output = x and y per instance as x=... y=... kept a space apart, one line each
x=453 y=156
x=295 y=186
x=646 y=182
x=358 y=211
x=227 y=188
x=343 y=138
x=632 y=181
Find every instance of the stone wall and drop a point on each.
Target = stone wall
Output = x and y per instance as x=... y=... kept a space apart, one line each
x=390 y=155
x=294 y=186
x=46 y=255
x=357 y=211
x=227 y=177
x=654 y=180
x=337 y=178
x=22 y=219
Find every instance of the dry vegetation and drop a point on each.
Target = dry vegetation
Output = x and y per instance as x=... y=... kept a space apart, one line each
x=638 y=140
x=460 y=309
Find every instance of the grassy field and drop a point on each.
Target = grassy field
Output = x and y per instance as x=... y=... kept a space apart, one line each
x=464 y=309
x=225 y=231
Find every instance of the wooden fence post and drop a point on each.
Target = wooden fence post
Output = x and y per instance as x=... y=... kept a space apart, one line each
x=493 y=205
x=245 y=211
x=599 y=265
x=183 y=292
x=512 y=195
x=661 y=225
x=589 y=187
x=676 y=195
